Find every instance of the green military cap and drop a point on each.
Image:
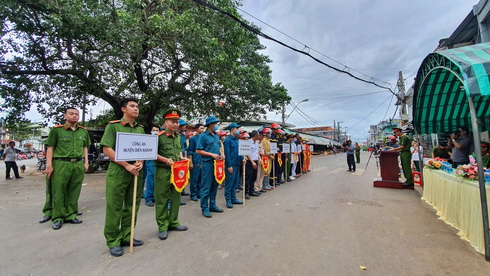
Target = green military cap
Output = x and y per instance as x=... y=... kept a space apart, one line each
x=172 y=113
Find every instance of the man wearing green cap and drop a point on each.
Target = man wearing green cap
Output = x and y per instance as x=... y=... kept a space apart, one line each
x=66 y=162
x=405 y=155
x=169 y=151
x=120 y=181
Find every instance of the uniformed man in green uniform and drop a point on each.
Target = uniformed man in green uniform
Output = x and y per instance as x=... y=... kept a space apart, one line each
x=169 y=151
x=66 y=163
x=120 y=181
x=405 y=155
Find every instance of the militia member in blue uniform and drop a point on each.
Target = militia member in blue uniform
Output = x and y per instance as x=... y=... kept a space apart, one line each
x=120 y=181
x=232 y=165
x=169 y=151
x=66 y=163
x=196 y=169
x=208 y=147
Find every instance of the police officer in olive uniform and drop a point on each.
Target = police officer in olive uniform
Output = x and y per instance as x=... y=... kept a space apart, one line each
x=66 y=163
x=405 y=155
x=169 y=151
x=120 y=181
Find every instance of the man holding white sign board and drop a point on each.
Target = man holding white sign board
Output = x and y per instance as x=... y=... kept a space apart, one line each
x=120 y=179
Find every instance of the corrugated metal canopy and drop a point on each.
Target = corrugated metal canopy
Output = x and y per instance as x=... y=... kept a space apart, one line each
x=442 y=86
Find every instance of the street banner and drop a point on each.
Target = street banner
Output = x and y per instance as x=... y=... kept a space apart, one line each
x=286 y=148
x=219 y=171
x=273 y=148
x=244 y=147
x=265 y=162
x=180 y=175
x=133 y=146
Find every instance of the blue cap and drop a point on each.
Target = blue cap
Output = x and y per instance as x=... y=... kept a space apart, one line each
x=182 y=122
x=210 y=120
x=232 y=125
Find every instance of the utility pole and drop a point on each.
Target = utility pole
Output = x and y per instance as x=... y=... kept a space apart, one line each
x=334 y=130
x=338 y=131
x=401 y=98
x=283 y=114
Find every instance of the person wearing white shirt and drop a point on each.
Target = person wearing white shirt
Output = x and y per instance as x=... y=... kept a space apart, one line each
x=415 y=154
x=251 y=166
x=9 y=155
x=294 y=162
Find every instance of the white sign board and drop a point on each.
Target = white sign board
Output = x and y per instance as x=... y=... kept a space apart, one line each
x=273 y=148
x=286 y=148
x=244 y=147
x=132 y=146
x=311 y=148
x=300 y=148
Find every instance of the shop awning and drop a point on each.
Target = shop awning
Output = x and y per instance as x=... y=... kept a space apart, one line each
x=442 y=86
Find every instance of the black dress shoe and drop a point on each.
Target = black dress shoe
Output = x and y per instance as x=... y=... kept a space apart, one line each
x=79 y=213
x=178 y=228
x=254 y=194
x=135 y=243
x=116 y=251
x=44 y=219
x=263 y=191
x=74 y=221
x=247 y=197
x=184 y=194
x=57 y=225
x=163 y=235
x=19 y=177
x=182 y=203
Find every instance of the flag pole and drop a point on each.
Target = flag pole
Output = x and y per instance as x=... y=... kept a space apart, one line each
x=133 y=213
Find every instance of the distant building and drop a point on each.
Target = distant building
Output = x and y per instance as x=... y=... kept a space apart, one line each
x=382 y=129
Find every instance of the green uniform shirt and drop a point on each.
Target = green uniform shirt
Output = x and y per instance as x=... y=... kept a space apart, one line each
x=406 y=143
x=109 y=137
x=68 y=143
x=169 y=146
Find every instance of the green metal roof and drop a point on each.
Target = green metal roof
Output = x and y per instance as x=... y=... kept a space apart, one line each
x=442 y=86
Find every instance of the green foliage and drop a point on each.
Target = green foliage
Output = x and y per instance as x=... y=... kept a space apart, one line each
x=23 y=130
x=165 y=53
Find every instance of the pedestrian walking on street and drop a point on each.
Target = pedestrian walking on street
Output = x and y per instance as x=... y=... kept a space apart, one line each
x=10 y=156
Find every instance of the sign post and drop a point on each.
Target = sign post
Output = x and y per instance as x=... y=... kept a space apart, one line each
x=135 y=147
x=244 y=149
x=312 y=149
x=274 y=151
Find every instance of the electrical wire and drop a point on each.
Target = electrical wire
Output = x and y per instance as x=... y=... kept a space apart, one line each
x=258 y=32
x=307 y=47
x=371 y=112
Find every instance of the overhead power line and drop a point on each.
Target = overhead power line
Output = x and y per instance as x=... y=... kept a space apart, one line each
x=258 y=32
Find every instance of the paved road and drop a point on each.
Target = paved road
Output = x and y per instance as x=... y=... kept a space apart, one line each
x=328 y=222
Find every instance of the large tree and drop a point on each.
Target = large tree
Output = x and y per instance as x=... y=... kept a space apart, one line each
x=167 y=53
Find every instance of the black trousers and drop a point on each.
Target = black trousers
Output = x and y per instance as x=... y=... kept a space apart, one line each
x=250 y=177
x=351 y=162
x=13 y=165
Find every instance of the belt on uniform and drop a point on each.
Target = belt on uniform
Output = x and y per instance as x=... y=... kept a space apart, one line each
x=68 y=159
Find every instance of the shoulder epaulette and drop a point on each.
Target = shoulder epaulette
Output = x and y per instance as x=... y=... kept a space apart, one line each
x=82 y=127
x=115 y=121
x=161 y=132
x=58 y=126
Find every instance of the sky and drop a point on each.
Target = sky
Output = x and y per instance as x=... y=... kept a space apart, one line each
x=378 y=38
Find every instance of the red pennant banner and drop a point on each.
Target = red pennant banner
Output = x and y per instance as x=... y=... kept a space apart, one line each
x=180 y=175
x=219 y=171
x=265 y=162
